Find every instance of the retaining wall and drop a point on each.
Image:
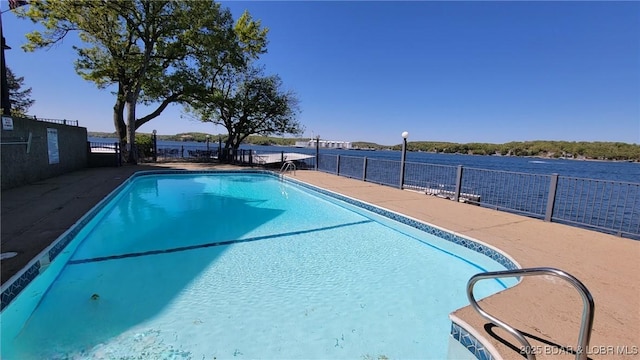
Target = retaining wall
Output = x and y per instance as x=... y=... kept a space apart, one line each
x=41 y=161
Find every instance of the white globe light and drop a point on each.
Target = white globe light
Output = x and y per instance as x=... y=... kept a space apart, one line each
x=405 y=134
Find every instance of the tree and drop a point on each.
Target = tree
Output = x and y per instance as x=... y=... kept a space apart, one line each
x=144 y=47
x=20 y=98
x=247 y=103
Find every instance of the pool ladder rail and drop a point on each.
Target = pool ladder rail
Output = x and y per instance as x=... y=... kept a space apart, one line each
x=288 y=166
x=587 y=300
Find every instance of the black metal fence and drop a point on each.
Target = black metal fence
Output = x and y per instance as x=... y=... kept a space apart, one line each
x=269 y=159
x=58 y=121
x=204 y=153
x=608 y=206
x=104 y=154
x=187 y=153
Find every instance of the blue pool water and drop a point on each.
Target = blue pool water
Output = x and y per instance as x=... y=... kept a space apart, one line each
x=243 y=266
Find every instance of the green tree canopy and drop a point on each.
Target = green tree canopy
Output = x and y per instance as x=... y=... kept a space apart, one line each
x=20 y=97
x=246 y=102
x=148 y=49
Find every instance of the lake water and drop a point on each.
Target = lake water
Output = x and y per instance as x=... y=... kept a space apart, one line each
x=603 y=170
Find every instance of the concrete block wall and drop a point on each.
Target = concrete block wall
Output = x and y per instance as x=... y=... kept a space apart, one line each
x=20 y=168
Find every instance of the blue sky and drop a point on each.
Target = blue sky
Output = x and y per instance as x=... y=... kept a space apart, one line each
x=443 y=71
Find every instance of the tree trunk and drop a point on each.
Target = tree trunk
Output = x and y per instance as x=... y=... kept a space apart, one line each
x=118 y=121
x=118 y=116
x=119 y=124
x=131 y=130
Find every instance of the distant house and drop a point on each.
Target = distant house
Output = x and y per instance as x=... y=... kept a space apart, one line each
x=326 y=144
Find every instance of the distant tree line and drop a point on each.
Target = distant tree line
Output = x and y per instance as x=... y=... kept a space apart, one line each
x=551 y=149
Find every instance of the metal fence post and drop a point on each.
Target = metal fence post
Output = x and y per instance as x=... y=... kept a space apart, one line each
x=338 y=165
x=456 y=197
x=282 y=156
x=317 y=151
x=182 y=151
x=551 y=199
x=364 y=169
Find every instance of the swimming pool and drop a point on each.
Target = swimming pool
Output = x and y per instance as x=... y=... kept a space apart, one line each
x=238 y=264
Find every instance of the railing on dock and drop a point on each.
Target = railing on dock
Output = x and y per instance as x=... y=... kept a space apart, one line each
x=600 y=204
x=608 y=206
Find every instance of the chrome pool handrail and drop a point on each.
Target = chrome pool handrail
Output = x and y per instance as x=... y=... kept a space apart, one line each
x=587 y=310
x=287 y=166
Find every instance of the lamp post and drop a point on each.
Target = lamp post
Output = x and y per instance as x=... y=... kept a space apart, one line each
x=208 y=138
x=155 y=145
x=405 y=135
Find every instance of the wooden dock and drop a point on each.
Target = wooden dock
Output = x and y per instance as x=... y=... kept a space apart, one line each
x=274 y=158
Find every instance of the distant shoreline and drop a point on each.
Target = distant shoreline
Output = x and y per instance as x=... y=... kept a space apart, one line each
x=588 y=151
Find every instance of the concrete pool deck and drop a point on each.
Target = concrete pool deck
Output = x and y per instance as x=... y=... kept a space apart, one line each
x=546 y=309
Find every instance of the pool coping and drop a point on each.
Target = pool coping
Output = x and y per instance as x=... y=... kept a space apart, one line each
x=460 y=330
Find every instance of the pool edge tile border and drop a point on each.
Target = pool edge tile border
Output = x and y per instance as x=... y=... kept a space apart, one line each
x=469 y=337
x=460 y=331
